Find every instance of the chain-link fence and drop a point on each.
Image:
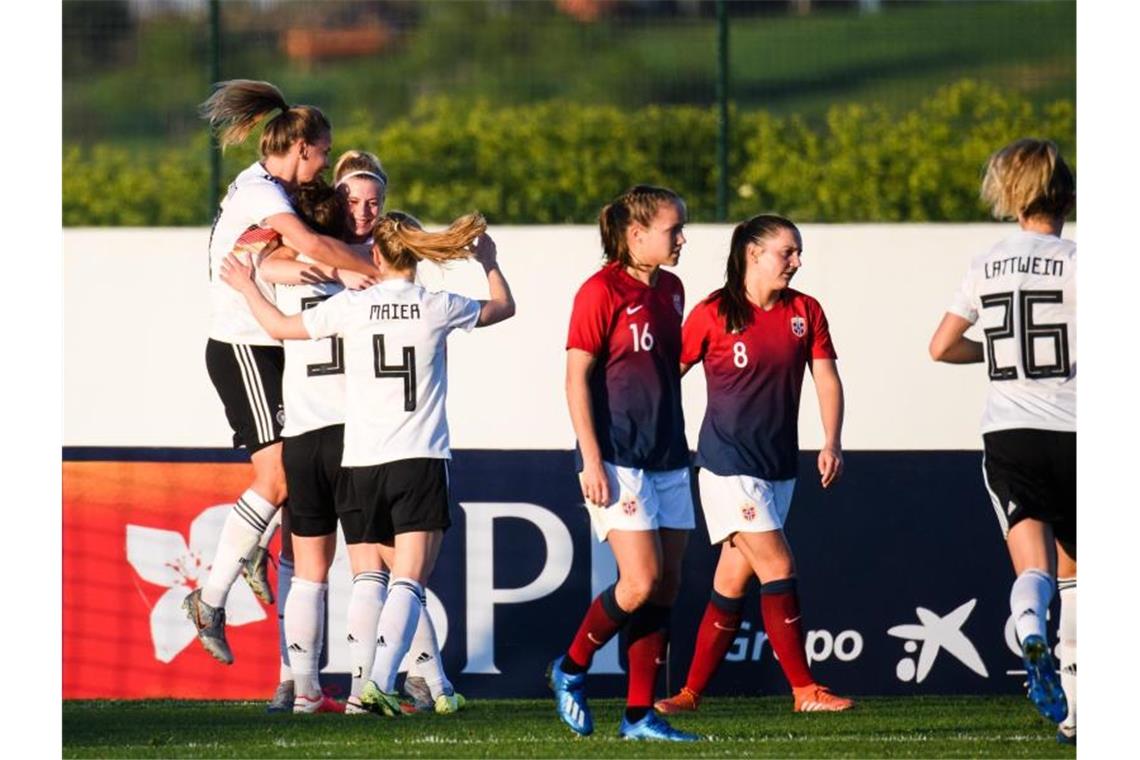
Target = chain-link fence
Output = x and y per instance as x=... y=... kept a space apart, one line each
x=135 y=70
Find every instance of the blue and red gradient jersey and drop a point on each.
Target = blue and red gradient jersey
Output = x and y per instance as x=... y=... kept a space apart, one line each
x=634 y=333
x=754 y=380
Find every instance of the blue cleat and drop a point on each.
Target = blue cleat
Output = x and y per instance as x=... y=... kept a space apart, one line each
x=1044 y=685
x=654 y=728
x=570 y=698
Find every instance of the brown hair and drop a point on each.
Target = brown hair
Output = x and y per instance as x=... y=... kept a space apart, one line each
x=637 y=204
x=237 y=106
x=321 y=207
x=733 y=305
x=1029 y=178
x=402 y=241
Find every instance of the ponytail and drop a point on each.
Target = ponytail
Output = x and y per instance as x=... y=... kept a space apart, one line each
x=237 y=106
x=733 y=303
x=402 y=241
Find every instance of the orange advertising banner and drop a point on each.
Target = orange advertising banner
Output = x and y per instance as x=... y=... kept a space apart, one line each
x=137 y=537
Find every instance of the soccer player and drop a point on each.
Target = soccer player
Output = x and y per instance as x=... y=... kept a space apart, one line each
x=623 y=387
x=393 y=487
x=1023 y=292
x=756 y=336
x=244 y=362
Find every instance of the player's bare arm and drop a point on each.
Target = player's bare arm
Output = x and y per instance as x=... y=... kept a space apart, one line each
x=321 y=248
x=240 y=277
x=579 y=364
x=501 y=304
x=282 y=268
x=829 y=390
x=950 y=344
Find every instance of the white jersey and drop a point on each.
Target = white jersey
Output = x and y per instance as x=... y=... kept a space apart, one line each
x=395 y=341
x=252 y=197
x=1024 y=291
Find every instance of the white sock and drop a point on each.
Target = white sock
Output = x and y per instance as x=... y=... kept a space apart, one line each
x=268 y=534
x=398 y=622
x=240 y=533
x=284 y=584
x=426 y=662
x=1029 y=602
x=368 y=592
x=1067 y=634
x=304 y=622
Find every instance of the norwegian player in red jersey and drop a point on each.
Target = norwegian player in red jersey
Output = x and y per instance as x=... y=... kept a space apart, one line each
x=756 y=336
x=623 y=387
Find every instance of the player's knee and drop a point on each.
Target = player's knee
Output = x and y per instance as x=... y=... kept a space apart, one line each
x=636 y=590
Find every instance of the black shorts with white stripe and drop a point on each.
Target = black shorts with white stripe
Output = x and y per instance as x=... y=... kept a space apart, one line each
x=248 y=381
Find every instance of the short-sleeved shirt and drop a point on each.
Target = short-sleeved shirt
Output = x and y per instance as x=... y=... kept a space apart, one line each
x=253 y=196
x=634 y=332
x=754 y=379
x=395 y=337
x=1024 y=293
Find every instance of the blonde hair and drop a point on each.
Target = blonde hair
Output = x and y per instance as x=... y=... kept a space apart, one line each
x=403 y=242
x=637 y=204
x=359 y=162
x=237 y=106
x=1029 y=178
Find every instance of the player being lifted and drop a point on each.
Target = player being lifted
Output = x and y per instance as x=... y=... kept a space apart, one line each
x=623 y=387
x=393 y=486
x=756 y=336
x=1023 y=292
x=244 y=362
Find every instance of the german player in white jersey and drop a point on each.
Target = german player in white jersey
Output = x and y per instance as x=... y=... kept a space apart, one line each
x=393 y=489
x=244 y=362
x=1023 y=294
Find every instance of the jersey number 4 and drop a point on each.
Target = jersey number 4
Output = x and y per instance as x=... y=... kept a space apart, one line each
x=1057 y=334
x=405 y=371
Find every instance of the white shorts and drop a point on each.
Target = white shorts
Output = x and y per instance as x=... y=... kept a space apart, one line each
x=740 y=503
x=644 y=500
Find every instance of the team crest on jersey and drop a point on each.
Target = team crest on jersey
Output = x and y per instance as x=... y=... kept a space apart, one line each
x=629 y=506
x=799 y=327
x=748 y=512
x=677 y=304
x=281 y=416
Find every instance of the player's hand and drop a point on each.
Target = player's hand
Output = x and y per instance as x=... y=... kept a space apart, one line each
x=235 y=273
x=595 y=486
x=355 y=280
x=830 y=465
x=486 y=253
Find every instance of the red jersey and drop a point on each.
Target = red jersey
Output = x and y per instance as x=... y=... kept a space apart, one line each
x=634 y=331
x=754 y=380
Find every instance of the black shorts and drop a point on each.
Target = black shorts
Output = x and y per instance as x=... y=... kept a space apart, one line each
x=248 y=380
x=312 y=468
x=1033 y=474
x=376 y=503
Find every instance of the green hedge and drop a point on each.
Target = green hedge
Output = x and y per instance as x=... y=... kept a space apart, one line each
x=558 y=163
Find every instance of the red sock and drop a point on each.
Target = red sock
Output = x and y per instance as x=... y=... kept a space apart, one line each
x=780 y=607
x=648 y=636
x=602 y=621
x=714 y=635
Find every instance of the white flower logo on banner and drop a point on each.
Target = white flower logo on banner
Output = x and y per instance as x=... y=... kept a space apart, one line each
x=161 y=557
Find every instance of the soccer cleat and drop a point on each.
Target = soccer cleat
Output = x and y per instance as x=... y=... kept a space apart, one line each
x=282 y=701
x=380 y=702
x=318 y=704
x=355 y=707
x=417 y=690
x=816 y=698
x=653 y=728
x=686 y=700
x=210 y=622
x=446 y=704
x=1067 y=734
x=1044 y=686
x=570 y=698
x=255 y=570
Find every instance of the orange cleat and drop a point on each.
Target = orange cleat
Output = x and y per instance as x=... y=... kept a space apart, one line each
x=686 y=700
x=816 y=698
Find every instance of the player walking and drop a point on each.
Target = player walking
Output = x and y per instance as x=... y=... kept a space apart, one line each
x=1023 y=292
x=756 y=335
x=624 y=391
x=245 y=363
x=393 y=489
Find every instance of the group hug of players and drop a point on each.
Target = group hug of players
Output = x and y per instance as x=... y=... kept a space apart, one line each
x=329 y=358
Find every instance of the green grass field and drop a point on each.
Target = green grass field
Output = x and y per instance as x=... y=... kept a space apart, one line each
x=732 y=727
